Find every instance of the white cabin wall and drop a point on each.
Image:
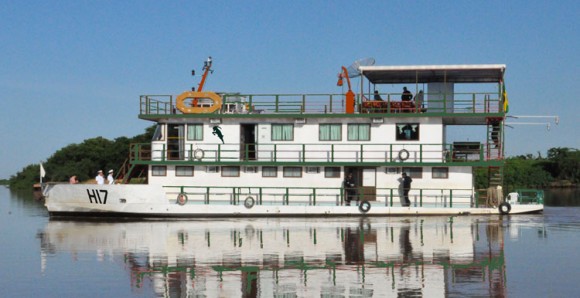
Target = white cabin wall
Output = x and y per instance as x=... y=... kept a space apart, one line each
x=431 y=132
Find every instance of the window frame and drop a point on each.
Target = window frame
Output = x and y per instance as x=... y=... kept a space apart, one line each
x=402 y=125
x=331 y=172
x=446 y=174
x=194 y=125
x=159 y=171
x=329 y=126
x=358 y=125
x=184 y=167
x=413 y=172
x=225 y=171
x=281 y=125
x=270 y=167
x=284 y=174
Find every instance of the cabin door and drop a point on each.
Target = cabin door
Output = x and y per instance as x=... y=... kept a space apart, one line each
x=247 y=141
x=365 y=179
x=175 y=142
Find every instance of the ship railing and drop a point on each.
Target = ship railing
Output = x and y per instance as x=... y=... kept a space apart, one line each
x=156 y=105
x=456 y=103
x=319 y=196
x=308 y=153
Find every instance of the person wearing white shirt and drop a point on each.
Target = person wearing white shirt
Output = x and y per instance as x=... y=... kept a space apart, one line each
x=100 y=178
x=110 y=178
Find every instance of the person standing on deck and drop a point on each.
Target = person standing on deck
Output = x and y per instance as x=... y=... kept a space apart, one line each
x=100 y=178
x=349 y=188
x=406 y=187
x=110 y=178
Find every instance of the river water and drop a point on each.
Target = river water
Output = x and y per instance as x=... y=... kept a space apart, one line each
x=516 y=256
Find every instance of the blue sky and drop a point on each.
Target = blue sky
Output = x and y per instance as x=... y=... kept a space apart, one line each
x=73 y=70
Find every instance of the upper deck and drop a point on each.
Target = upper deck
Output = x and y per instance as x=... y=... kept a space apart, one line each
x=460 y=94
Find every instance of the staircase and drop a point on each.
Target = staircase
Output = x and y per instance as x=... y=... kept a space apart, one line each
x=129 y=171
x=494 y=144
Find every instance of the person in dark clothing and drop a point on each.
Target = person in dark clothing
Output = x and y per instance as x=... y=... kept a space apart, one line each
x=407 y=95
x=406 y=187
x=377 y=96
x=349 y=188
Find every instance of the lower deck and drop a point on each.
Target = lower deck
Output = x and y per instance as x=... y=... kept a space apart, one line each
x=189 y=202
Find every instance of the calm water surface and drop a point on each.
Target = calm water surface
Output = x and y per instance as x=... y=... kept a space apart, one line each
x=516 y=256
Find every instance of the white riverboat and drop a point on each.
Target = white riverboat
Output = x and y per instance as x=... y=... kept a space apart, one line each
x=226 y=155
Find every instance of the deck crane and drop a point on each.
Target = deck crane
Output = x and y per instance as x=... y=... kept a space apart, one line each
x=349 y=94
x=351 y=72
x=206 y=71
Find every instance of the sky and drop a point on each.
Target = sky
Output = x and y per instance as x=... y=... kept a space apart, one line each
x=74 y=70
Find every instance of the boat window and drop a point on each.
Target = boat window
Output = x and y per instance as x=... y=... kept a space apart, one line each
x=194 y=132
x=212 y=169
x=183 y=171
x=359 y=132
x=332 y=172
x=230 y=171
x=158 y=171
x=440 y=173
x=269 y=171
x=414 y=172
x=407 y=131
x=293 y=172
x=330 y=132
x=158 y=134
x=282 y=132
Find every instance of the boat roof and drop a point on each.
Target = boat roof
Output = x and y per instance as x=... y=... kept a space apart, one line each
x=474 y=73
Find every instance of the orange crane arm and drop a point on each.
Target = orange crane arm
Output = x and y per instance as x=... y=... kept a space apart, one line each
x=206 y=68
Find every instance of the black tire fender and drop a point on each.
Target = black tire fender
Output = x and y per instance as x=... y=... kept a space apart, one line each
x=364 y=206
x=404 y=154
x=504 y=208
x=249 y=202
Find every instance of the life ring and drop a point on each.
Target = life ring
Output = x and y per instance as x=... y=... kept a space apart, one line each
x=249 y=202
x=198 y=154
x=364 y=206
x=214 y=97
x=181 y=199
x=403 y=154
x=504 y=208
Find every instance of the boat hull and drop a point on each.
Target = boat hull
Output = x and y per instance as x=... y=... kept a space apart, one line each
x=144 y=201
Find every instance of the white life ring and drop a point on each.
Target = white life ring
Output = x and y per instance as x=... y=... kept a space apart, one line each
x=364 y=206
x=181 y=199
x=403 y=154
x=249 y=202
x=198 y=154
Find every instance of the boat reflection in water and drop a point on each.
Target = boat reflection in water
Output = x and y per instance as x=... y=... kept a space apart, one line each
x=433 y=256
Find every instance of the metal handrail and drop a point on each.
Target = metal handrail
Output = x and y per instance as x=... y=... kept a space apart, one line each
x=312 y=152
x=462 y=103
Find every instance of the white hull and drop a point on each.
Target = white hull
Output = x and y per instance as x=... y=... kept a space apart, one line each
x=151 y=201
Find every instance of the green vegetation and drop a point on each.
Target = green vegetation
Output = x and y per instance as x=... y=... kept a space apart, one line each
x=561 y=168
x=82 y=160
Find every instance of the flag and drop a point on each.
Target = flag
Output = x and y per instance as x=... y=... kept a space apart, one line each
x=506 y=105
x=42 y=172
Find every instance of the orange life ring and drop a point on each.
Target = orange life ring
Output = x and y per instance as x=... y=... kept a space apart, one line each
x=180 y=102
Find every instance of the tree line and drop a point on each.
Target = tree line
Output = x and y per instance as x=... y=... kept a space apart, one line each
x=560 y=168
x=82 y=160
